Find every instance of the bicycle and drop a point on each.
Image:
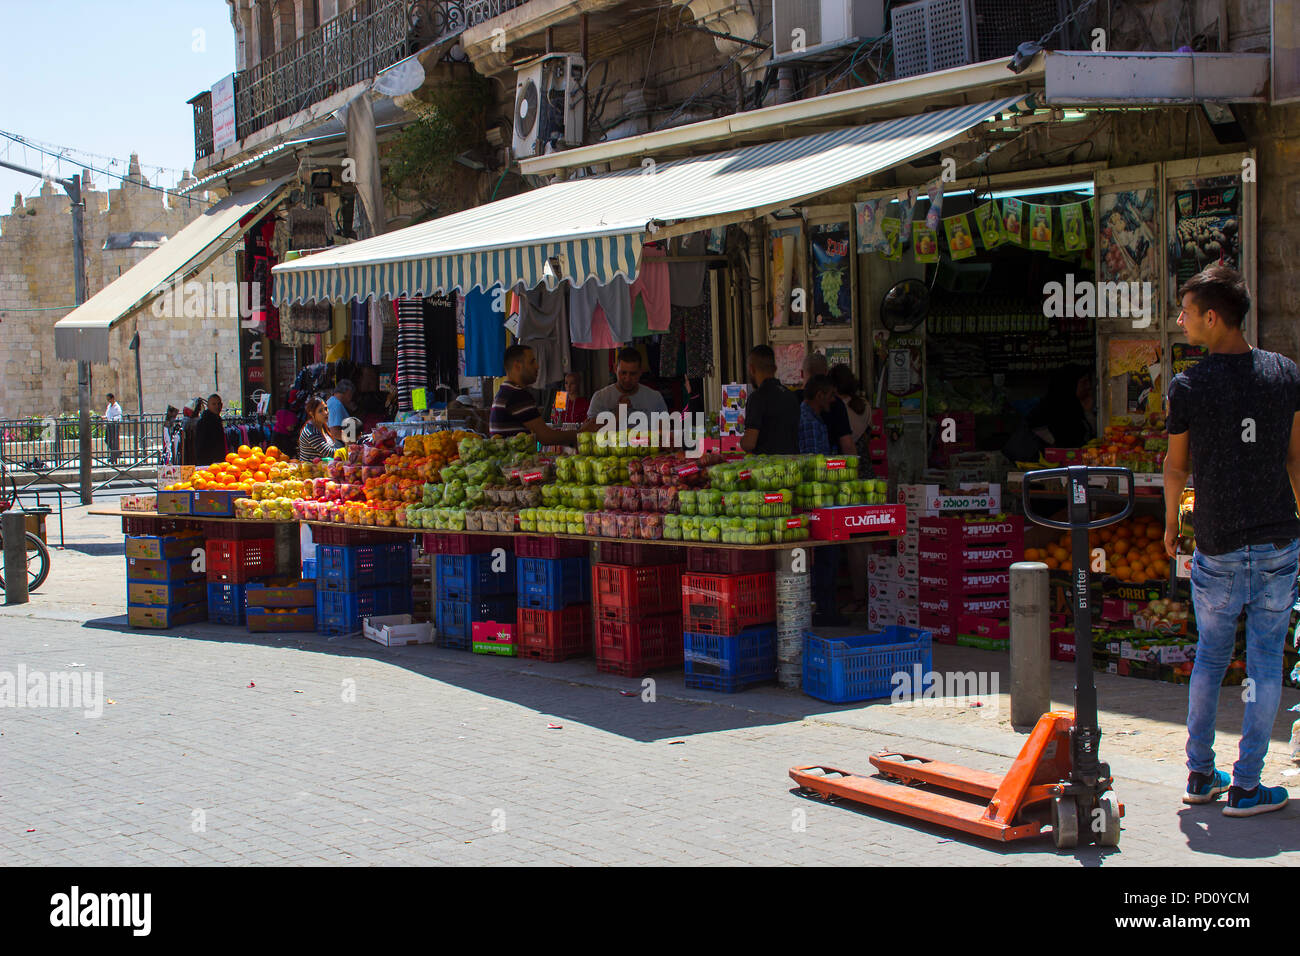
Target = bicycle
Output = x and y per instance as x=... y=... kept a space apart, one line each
x=38 y=567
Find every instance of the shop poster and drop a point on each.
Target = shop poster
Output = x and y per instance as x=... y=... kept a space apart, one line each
x=1013 y=220
x=832 y=287
x=1126 y=233
x=1183 y=356
x=839 y=355
x=1040 y=227
x=784 y=254
x=1204 y=227
x=1073 y=233
x=903 y=385
x=731 y=419
x=961 y=242
x=1133 y=376
x=867 y=214
x=891 y=228
x=988 y=219
x=789 y=363
x=925 y=243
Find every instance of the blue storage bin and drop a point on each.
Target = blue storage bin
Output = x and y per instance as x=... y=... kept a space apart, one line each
x=464 y=577
x=340 y=612
x=843 y=670
x=453 y=619
x=347 y=567
x=729 y=663
x=227 y=603
x=552 y=584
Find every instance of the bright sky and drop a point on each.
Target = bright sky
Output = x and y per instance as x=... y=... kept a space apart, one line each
x=109 y=78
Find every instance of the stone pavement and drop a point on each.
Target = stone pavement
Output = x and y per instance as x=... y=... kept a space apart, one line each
x=440 y=756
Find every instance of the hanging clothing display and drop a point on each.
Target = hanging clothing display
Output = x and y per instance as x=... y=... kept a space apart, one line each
x=485 y=332
x=460 y=338
x=601 y=335
x=672 y=348
x=310 y=228
x=613 y=299
x=412 y=359
x=544 y=327
x=360 y=332
x=651 y=289
x=697 y=332
x=440 y=341
x=377 y=309
x=687 y=278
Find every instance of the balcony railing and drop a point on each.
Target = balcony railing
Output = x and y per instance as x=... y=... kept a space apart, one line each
x=349 y=49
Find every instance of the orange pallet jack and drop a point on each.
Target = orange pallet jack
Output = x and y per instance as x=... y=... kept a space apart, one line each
x=1058 y=777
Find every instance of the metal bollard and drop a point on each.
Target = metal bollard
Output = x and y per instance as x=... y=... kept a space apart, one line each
x=1031 y=676
x=14 y=526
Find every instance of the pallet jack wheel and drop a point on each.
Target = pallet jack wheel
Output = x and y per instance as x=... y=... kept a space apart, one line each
x=1065 y=823
x=1108 y=803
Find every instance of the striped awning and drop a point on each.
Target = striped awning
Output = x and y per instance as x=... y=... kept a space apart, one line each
x=595 y=226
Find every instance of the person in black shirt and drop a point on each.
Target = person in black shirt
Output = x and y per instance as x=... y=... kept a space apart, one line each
x=209 y=434
x=772 y=411
x=1234 y=424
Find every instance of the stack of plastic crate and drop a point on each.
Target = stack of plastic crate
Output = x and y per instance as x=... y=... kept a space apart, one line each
x=638 y=617
x=360 y=581
x=553 y=588
x=472 y=588
x=729 y=621
x=240 y=554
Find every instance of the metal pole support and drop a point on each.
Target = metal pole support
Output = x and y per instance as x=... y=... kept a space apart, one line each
x=1031 y=675
x=14 y=526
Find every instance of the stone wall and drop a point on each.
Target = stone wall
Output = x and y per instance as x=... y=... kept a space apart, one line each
x=36 y=274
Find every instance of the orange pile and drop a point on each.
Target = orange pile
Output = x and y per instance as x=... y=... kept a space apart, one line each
x=238 y=472
x=1135 y=550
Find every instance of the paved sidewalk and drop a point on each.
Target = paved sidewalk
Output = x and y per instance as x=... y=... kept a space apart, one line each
x=447 y=757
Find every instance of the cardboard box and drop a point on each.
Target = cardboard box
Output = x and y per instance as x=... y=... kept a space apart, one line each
x=281 y=592
x=1062 y=644
x=215 y=504
x=884 y=616
x=968 y=557
x=984 y=643
x=933 y=500
x=843 y=522
x=166 y=594
x=169 y=546
x=168 y=569
x=138 y=503
x=164 y=617
x=957 y=531
x=396 y=630
x=953 y=605
x=174 y=502
x=942 y=628
x=964 y=582
x=174 y=474
x=492 y=637
x=991 y=627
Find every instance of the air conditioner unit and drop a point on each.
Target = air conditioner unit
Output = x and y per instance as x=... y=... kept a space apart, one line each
x=549 y=105
x=935 y=35
x=800 y=27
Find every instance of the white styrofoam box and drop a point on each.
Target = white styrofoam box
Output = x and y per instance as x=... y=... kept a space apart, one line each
x=395 y=630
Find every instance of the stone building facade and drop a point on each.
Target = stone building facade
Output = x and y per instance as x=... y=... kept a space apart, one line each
x=177 y=354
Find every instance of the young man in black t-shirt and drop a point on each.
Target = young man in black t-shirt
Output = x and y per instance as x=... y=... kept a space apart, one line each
x=1233 y=423
x=772 y=411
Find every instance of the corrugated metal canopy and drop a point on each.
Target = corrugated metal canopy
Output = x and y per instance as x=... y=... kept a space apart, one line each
x=82 y=335
x=596 y=225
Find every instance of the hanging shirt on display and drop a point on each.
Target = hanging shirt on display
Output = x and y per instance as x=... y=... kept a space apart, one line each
x=544 y=327
x=652 y=288
x=485 y=332
x=616 y=301
x=687 y=278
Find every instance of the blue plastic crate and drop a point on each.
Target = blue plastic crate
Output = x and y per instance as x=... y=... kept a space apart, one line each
x=343 y=567
x=730 y=662
x=340 y=612
x=552 y=584
x=842 y=670
x=227 y=603
x=464 y=577
x=453 y=619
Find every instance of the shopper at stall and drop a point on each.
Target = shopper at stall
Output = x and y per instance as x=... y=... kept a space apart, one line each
x=112 y=422
x=772 y=411
x=814 y=439
x=627 y=391
x=1234 y=420
x=210 y=434
x=314 y=441
x=514 y=409
x=340 y=408
x=836 y=415
x=849 y=392
x=576 y=406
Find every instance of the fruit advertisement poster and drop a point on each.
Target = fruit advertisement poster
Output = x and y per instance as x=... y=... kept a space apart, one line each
x=1126 y=234
x=961 y=243
x=1133 y=376
x=1040 y=227
x=1183 y=356
x=1204 y=227
x=785 y=251
x=832 y=287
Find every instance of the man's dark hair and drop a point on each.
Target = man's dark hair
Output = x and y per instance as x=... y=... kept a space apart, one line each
x=763 y=357
x=516 y=353
x=212 y=396
x=817 y=385
x=110 y=396
x=344 y=387
x=629 y=354
x=1221 y=289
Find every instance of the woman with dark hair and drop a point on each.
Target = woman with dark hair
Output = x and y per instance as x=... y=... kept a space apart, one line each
x=849 y=391
x=314 y=443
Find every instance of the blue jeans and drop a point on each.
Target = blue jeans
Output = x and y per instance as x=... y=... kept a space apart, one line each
x=1260 y=579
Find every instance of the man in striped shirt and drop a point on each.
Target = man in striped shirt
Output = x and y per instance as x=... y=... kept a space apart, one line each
x=514 y=410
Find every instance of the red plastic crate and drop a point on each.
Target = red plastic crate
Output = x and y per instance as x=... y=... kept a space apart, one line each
x=444 y=543
x=156 y=526
x=631 y=648
x=728 y=561
x=530 y=546
x=554 y=635
x=238 y=561
x=728 y=603
x=624 y=593
x=237 y=530
x=630 y=552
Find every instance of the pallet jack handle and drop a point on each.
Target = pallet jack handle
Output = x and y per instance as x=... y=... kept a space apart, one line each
x=1079 y=493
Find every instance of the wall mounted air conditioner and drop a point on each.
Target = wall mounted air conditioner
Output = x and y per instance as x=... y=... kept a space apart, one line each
x=935 y=35
x=549 y=105
x=800 y=27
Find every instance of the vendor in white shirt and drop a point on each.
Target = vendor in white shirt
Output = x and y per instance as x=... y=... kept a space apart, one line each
x=627 y=390
x=112 y=422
